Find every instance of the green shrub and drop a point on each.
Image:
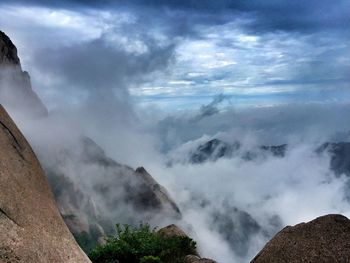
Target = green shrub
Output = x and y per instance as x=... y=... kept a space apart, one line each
x=139 y=244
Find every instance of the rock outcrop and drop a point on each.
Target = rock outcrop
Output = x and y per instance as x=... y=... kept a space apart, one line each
x=172 y=231
x=31 y=227
x=175 y=231
x=325 y=239
x=16 y=92
x=149 y=189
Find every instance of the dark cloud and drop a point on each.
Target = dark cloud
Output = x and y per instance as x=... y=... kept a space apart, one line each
x=271 y=15
x=103 y=70
x=99 y=65
x=211 y=108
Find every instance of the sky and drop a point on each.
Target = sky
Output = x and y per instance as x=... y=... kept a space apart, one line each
x=176 y=55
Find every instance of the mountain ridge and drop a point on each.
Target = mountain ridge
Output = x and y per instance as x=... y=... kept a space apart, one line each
x=215 y=149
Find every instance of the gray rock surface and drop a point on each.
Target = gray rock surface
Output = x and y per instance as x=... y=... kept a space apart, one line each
x=31 y=227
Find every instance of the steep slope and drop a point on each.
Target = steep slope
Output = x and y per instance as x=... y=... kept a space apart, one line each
x=325 y=239
x=94 y=192
x=16 y=93
x=31 y=228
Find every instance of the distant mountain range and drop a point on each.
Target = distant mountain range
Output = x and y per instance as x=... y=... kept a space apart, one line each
x=215 y=149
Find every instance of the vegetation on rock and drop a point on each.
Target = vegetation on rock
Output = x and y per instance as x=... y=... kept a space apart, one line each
x=142 y=244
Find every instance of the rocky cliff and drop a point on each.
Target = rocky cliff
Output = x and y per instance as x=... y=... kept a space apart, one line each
x=92 y=191
x=31 y=227
x=16 y=93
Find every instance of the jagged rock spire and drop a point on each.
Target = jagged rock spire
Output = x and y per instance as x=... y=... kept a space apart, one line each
x=16 y=92
x=8 y=51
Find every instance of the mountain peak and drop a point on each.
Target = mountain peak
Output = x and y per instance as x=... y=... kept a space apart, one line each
x=8 y=51
x=16 y=92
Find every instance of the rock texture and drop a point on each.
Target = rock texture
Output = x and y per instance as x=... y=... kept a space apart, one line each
x=325 y=239
x=31 y=228
x=172 y=231
x=16 y=93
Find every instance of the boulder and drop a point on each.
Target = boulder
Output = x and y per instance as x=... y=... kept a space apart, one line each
x=325 y=239
x=172 y=231
x=31 y=227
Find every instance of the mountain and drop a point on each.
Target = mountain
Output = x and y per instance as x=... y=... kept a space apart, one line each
x=31 y=227
x=324 y=239
x=340 y=156
x=16 y=93
x=215 y=149
x=92 y=191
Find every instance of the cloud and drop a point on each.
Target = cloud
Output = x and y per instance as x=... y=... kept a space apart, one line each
x=210 y=109
x=272 y=125
x=273 y=191
x=177 y=57
x=270 y=15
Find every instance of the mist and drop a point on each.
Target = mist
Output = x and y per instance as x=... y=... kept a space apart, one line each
x=230 y=206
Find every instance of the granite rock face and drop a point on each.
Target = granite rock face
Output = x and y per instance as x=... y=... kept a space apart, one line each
x=31 y=227
x=325 y=239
